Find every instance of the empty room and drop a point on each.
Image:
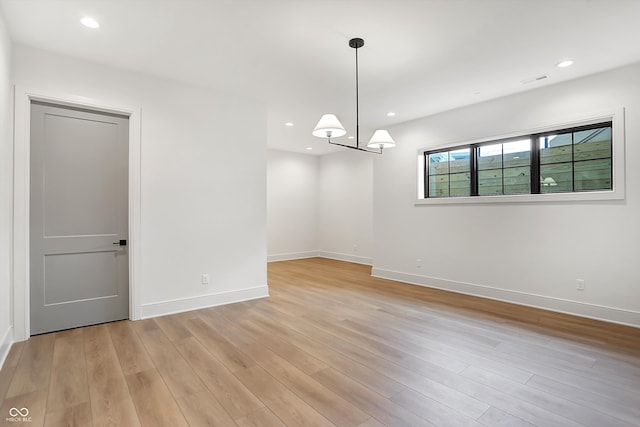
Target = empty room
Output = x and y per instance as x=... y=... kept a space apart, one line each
x=319 y=213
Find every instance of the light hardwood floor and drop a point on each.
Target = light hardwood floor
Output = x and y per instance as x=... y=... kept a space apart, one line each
x=332 y=346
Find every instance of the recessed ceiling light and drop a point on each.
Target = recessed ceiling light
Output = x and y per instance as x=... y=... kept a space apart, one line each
x=564 y=64
x=89 y=22
x=351 y=137
x=309 y=148
x=289 y=124
x=391 y=114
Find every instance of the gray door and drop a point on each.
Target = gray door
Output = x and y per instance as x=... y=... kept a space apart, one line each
x=79 y=218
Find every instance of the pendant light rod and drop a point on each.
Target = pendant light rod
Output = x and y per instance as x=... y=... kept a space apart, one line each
x=357 y=43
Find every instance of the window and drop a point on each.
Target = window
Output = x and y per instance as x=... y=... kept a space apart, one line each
x=577 y=160
x=571 y=160
x=504 y=168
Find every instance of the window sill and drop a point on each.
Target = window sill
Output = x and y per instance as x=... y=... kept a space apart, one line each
x=525 y=198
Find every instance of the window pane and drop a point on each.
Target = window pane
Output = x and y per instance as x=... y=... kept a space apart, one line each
x=593 y=175
x=517 y=153
x=438 y=163
x=459 y=160
x=460 y=184
x=490 y=156
x=517 y=180
x=556 y=178
x=555 y=148
x=439 y=186
x=592 y=144
x=490 y=182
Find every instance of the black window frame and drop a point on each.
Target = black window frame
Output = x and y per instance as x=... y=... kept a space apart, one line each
x=534 y=164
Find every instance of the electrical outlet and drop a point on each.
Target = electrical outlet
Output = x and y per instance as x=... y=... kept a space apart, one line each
x=418 y=263
x=205 y=279
x=355 y=248
x=580 y=284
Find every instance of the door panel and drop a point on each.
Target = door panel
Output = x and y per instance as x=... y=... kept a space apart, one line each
x=79 y=209
x=93 y=277
x=76 y=207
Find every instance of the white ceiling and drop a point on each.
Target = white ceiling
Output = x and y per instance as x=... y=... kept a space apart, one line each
x=420 y=56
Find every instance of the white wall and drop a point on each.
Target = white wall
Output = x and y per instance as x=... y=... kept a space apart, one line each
x=203 y=191
x=530 y=253
x=6 y=190
x=345 y=221
x=292 y=205
x=320 y=206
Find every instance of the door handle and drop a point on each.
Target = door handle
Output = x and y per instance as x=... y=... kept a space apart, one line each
x=121 y=243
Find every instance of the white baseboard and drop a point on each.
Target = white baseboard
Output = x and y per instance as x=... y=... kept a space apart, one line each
x=204 y=301
x=346 y=257
x=592 y=311
x=320 y=254
x=291 y=256
x=5 y=345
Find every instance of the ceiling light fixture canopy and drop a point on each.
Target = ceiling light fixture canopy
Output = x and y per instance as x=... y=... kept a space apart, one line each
x=329 y=126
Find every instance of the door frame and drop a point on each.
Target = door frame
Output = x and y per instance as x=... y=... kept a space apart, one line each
x=21 y=194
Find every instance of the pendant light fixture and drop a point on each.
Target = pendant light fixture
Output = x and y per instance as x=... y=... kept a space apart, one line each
x=329 y=126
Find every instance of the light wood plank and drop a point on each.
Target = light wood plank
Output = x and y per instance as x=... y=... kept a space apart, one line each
x=373 y=378
x=557 y=405
x=371 y=422
x=131 y=352
x=34 y=367
x=14 y=354
x=153 y=400
x=73 y=416
x=587 y=398
x=218 y=346
x=260 y=418
x=111 y=403
x=293 y=354
x=414 y=348
x=173 y=326
x=382 y=409
x=433 y=411
x=326 y=402
x=502 y=400
x=9 y=367
x=235 y=397
x=285 y=404
x=203 y=409
x=406 y=374
x=496 y=418
x=69 y=386
x=145 y=325
x=332 y=406
x=176 y=372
